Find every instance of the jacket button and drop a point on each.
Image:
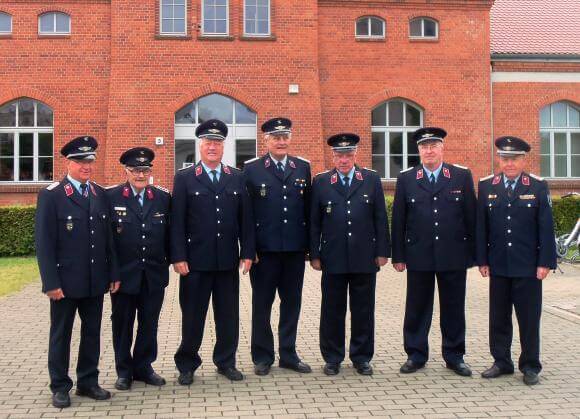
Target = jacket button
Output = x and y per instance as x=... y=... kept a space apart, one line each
x=436 y=237
x=509 y=218
x=189 y=240
x=219 y=222
x=92 y=261
x=285 y=197
x=217 y=197
x=143 y=225
x=218 y=234
x=435 y=211
x=285 y=221
x=348 y=202
x=434 y=198
x=91 y=217
x=92 y=231
x=509 y=244
x=436 y=223
x=143 y=260
x=143 y=248
x=350 y=234
x=285 y=209
x=143 y=237
x=412 y=199
x=509 y=231
x=217 y=210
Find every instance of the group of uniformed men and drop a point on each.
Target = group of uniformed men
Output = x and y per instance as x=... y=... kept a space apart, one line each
x=269 y=219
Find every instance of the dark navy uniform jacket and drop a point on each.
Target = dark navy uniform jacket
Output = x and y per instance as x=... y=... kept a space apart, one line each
x=347 y=232
x=515 y=236
x=433 y=228
x=280 y=203
x=74 y=243
x=208 y=221
x=141 y=236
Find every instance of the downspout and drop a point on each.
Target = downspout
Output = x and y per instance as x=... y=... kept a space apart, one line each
x=491 y=116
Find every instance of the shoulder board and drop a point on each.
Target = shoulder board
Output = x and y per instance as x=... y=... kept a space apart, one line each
x=406 y=170
x=234 y=168
x=321 y=173
x=252 y=160
x=541 y=179
x=185 y=168
x=486 y=178
x=161 y=188
x=461 y=167
x=369 y=169
x=303 y=159
x=111 y=186
x=96 y=184
x=52 y=186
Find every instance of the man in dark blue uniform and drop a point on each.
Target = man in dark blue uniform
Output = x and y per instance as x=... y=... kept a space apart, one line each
x=516 y=249
x=77 y=262
x=279 y=186
x=140 y=220
x=211 y=212
x=349 y=242
x=434 y=237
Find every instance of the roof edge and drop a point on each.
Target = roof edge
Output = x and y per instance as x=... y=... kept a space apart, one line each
x=536 y=57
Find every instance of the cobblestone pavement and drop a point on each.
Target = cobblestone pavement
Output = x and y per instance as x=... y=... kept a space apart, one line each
x=432 y=392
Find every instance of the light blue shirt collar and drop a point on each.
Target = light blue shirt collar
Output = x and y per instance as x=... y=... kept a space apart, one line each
x=283 y=161
x=505 y=180
x=350 y=176
x=75 y=183
x=141 y=194
x=218 y=169
x=435 y=172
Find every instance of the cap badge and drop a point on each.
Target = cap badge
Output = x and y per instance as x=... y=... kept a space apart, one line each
x=280 y=127
x=343 y=144
x=214 y=130
x=141 y=159
x=428 y=135
x=85 y=148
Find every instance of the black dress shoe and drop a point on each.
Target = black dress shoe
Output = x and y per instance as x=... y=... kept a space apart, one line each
x=262 y=369
x=231 y=373
x=300 y=367
x=364 y=368
x=61 y=399
x=410 y=366
x=461 y=368
x=123 y=383
x=96 y=393
x=531 y=378
x=185 y=378
x=331 y=368
x=153 y=379
x=495 y=371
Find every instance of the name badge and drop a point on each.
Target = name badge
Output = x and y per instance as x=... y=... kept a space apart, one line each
x=527 y=196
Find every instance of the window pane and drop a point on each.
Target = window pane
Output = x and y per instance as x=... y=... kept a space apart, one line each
x=395 y=143
x=221 y=12
x=62 y=22
x=167 y=25
x=179 y=26
x=47 y=22
x=167 y=12
x=395 y=114
x=209 y=26
x=545 y=166
x=263 y=27
x=574 y=117
x=245 y=150
x=45 y=144
x=251 y=12
x=244 y=115
x=45 y=168
x=26 y=141
x=6 y=170
x=575 y=142
x=411 y=144
x=186 y=115
x=220 y=26
x=362 y=27
x=415 y=27
x=250 y=26
x=379 y=116
x=560 y=143
x=545 y=120
x=545 y=142
x=184 y=153
x=6 y=144
x=378 y=143
x=43 y=115
x=5 y=22
x=413 y=161
x=179 y=11
x=209 y=12
x=376 y=27
x=379 y=165
x=216 y=106
x=8 y=115
x=561 y=166
x=430 y=28
x=559 y=111
x=26 y=169
x=396 y=163
x=262 y=13
x=26 y=113
x=575 y=166
x=413 y=116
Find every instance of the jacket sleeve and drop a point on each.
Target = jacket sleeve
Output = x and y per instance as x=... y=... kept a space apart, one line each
x=547 y=254
x=381 y=220
x=315 y=222
x=470 y=209
x=481 y=232
x=168 y=232
x=114 y=269
x=398 y=224
x=307 y=197
x=45 y=237
x=178 y=227
x=246 y=221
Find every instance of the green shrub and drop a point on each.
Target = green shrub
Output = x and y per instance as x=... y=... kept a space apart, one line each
x=17 y=230
x=566 y=212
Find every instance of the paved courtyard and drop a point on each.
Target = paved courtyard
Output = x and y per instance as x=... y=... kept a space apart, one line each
x=432 y=392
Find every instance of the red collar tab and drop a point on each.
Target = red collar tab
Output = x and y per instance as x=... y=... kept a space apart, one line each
x=227 y=170
x=198 y=170
x=525 y=180
x=267 y=163
x=358 y=175
x=292 y=164
x=68 y=189
x=333 y=179
x=446 y=173
x=149 y=194
x=496 y=180
x=126 y=192
x=419 y=174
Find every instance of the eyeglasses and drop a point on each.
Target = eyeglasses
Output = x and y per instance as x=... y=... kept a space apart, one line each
x=429 y=146
x=139 y=171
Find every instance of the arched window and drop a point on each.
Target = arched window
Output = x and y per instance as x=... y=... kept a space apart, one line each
x=5 y=23
x=241 y=121
x=560 y=140
x=393 y=148
x=26 y=141
x=54 y=23
x=370 y=27
x=423 y=27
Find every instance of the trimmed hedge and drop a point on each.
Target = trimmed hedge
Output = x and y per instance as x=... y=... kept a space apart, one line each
x=17 y=224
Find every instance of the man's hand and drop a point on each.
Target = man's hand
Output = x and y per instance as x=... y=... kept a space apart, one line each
x=316 y=264
x=245 y=265
x=114 y=287
x=484 y=271
x=542 y=272
x=56 y=294
x=256 y=259
x=381 y=261
x=399 y=267
x=182 y=268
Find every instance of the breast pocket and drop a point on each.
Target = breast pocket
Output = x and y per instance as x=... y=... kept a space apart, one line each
x=528 y=203
x=414 y=201
x=456 y=198
x=198 y=195
x=121 y=223
x=69 y=223
x=233 y=194
x=328 y=208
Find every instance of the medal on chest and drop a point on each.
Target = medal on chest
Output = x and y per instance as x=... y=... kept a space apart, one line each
x=69 y=223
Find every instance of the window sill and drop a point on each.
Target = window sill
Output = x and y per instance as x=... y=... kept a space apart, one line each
x=23 y=187
x=5 y=35
x=431 y=40
x=269 y=38
x=215 y=38
x=173 y=37
x=361 y=39
x=54 y=35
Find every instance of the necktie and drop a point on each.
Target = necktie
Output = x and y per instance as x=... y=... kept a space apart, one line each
x=214 y=178
x=510 y=188
x=280 y=167
x=139 y=199
x=432 y=179
x=346 y=184
x=84 y=190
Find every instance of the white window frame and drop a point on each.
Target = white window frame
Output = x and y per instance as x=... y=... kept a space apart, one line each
x=551 y=131
x=227 y=32
x=10 y=30
x=34 y=130
x=249 y=34
x=405 y=129
x=369 y=35
x=423 y=36
x=55 y=32
x=161 y=32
